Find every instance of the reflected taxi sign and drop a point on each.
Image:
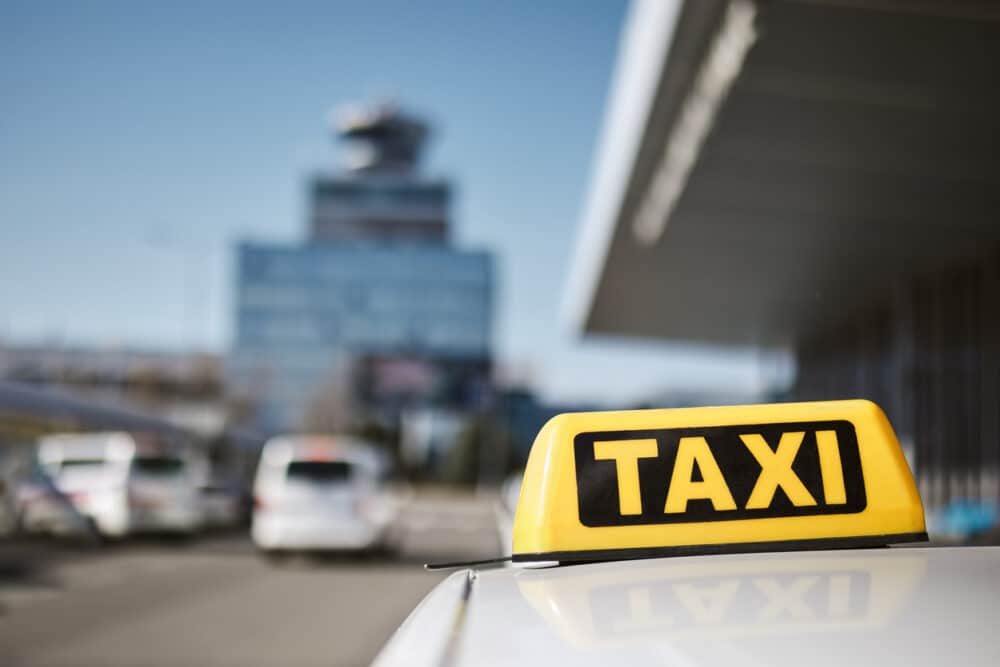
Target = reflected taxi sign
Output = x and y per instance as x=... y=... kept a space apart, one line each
x=643 y=483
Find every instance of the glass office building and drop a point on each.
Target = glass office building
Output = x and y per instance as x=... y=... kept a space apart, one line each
x=376 y=303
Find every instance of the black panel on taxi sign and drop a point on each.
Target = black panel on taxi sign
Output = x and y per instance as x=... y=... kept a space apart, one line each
x=718 y=473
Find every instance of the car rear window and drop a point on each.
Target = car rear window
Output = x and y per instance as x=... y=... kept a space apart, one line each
x=319 y=472
x=157 y=465
x=80 y=463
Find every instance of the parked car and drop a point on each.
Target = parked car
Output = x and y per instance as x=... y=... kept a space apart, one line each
x=41 y=509
x=320 y=493
x=121 y=482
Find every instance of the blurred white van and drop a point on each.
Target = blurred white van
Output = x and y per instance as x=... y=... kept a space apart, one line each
x=122 y=483
x=320 y=493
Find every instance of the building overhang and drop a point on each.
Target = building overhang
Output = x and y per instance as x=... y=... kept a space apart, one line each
x=765 y=170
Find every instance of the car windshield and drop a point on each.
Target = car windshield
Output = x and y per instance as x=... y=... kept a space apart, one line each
x=319 y=472
x=157 y=465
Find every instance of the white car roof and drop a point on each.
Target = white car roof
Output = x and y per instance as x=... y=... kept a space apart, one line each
x=907 y=606
x=58 y=447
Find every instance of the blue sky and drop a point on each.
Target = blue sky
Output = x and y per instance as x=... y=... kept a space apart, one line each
x=139 y=140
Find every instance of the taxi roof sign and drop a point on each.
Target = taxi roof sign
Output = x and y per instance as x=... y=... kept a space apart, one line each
x=643 y=483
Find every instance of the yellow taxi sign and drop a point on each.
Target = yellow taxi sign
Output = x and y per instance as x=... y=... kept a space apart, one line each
x=641 y=483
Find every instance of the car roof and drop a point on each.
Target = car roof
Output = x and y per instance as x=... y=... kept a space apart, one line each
x=54 y=448
x=848 y=607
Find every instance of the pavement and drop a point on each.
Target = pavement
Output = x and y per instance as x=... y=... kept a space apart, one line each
x=215 y=601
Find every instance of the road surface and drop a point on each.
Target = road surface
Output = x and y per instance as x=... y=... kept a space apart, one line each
x=216 y=602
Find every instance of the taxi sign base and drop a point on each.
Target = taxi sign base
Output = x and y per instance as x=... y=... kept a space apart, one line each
x=865 y=542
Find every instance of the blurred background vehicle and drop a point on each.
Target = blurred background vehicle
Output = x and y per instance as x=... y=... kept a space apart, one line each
x=315 y=493
x=42 y=509
x=8 y=509
x=122 y=483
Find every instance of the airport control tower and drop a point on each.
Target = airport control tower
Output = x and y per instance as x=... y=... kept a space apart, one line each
x=375 y=306
x=381 y=194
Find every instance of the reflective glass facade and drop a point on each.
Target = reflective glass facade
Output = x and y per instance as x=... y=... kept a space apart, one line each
x=379 y=206
x=304 y=312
